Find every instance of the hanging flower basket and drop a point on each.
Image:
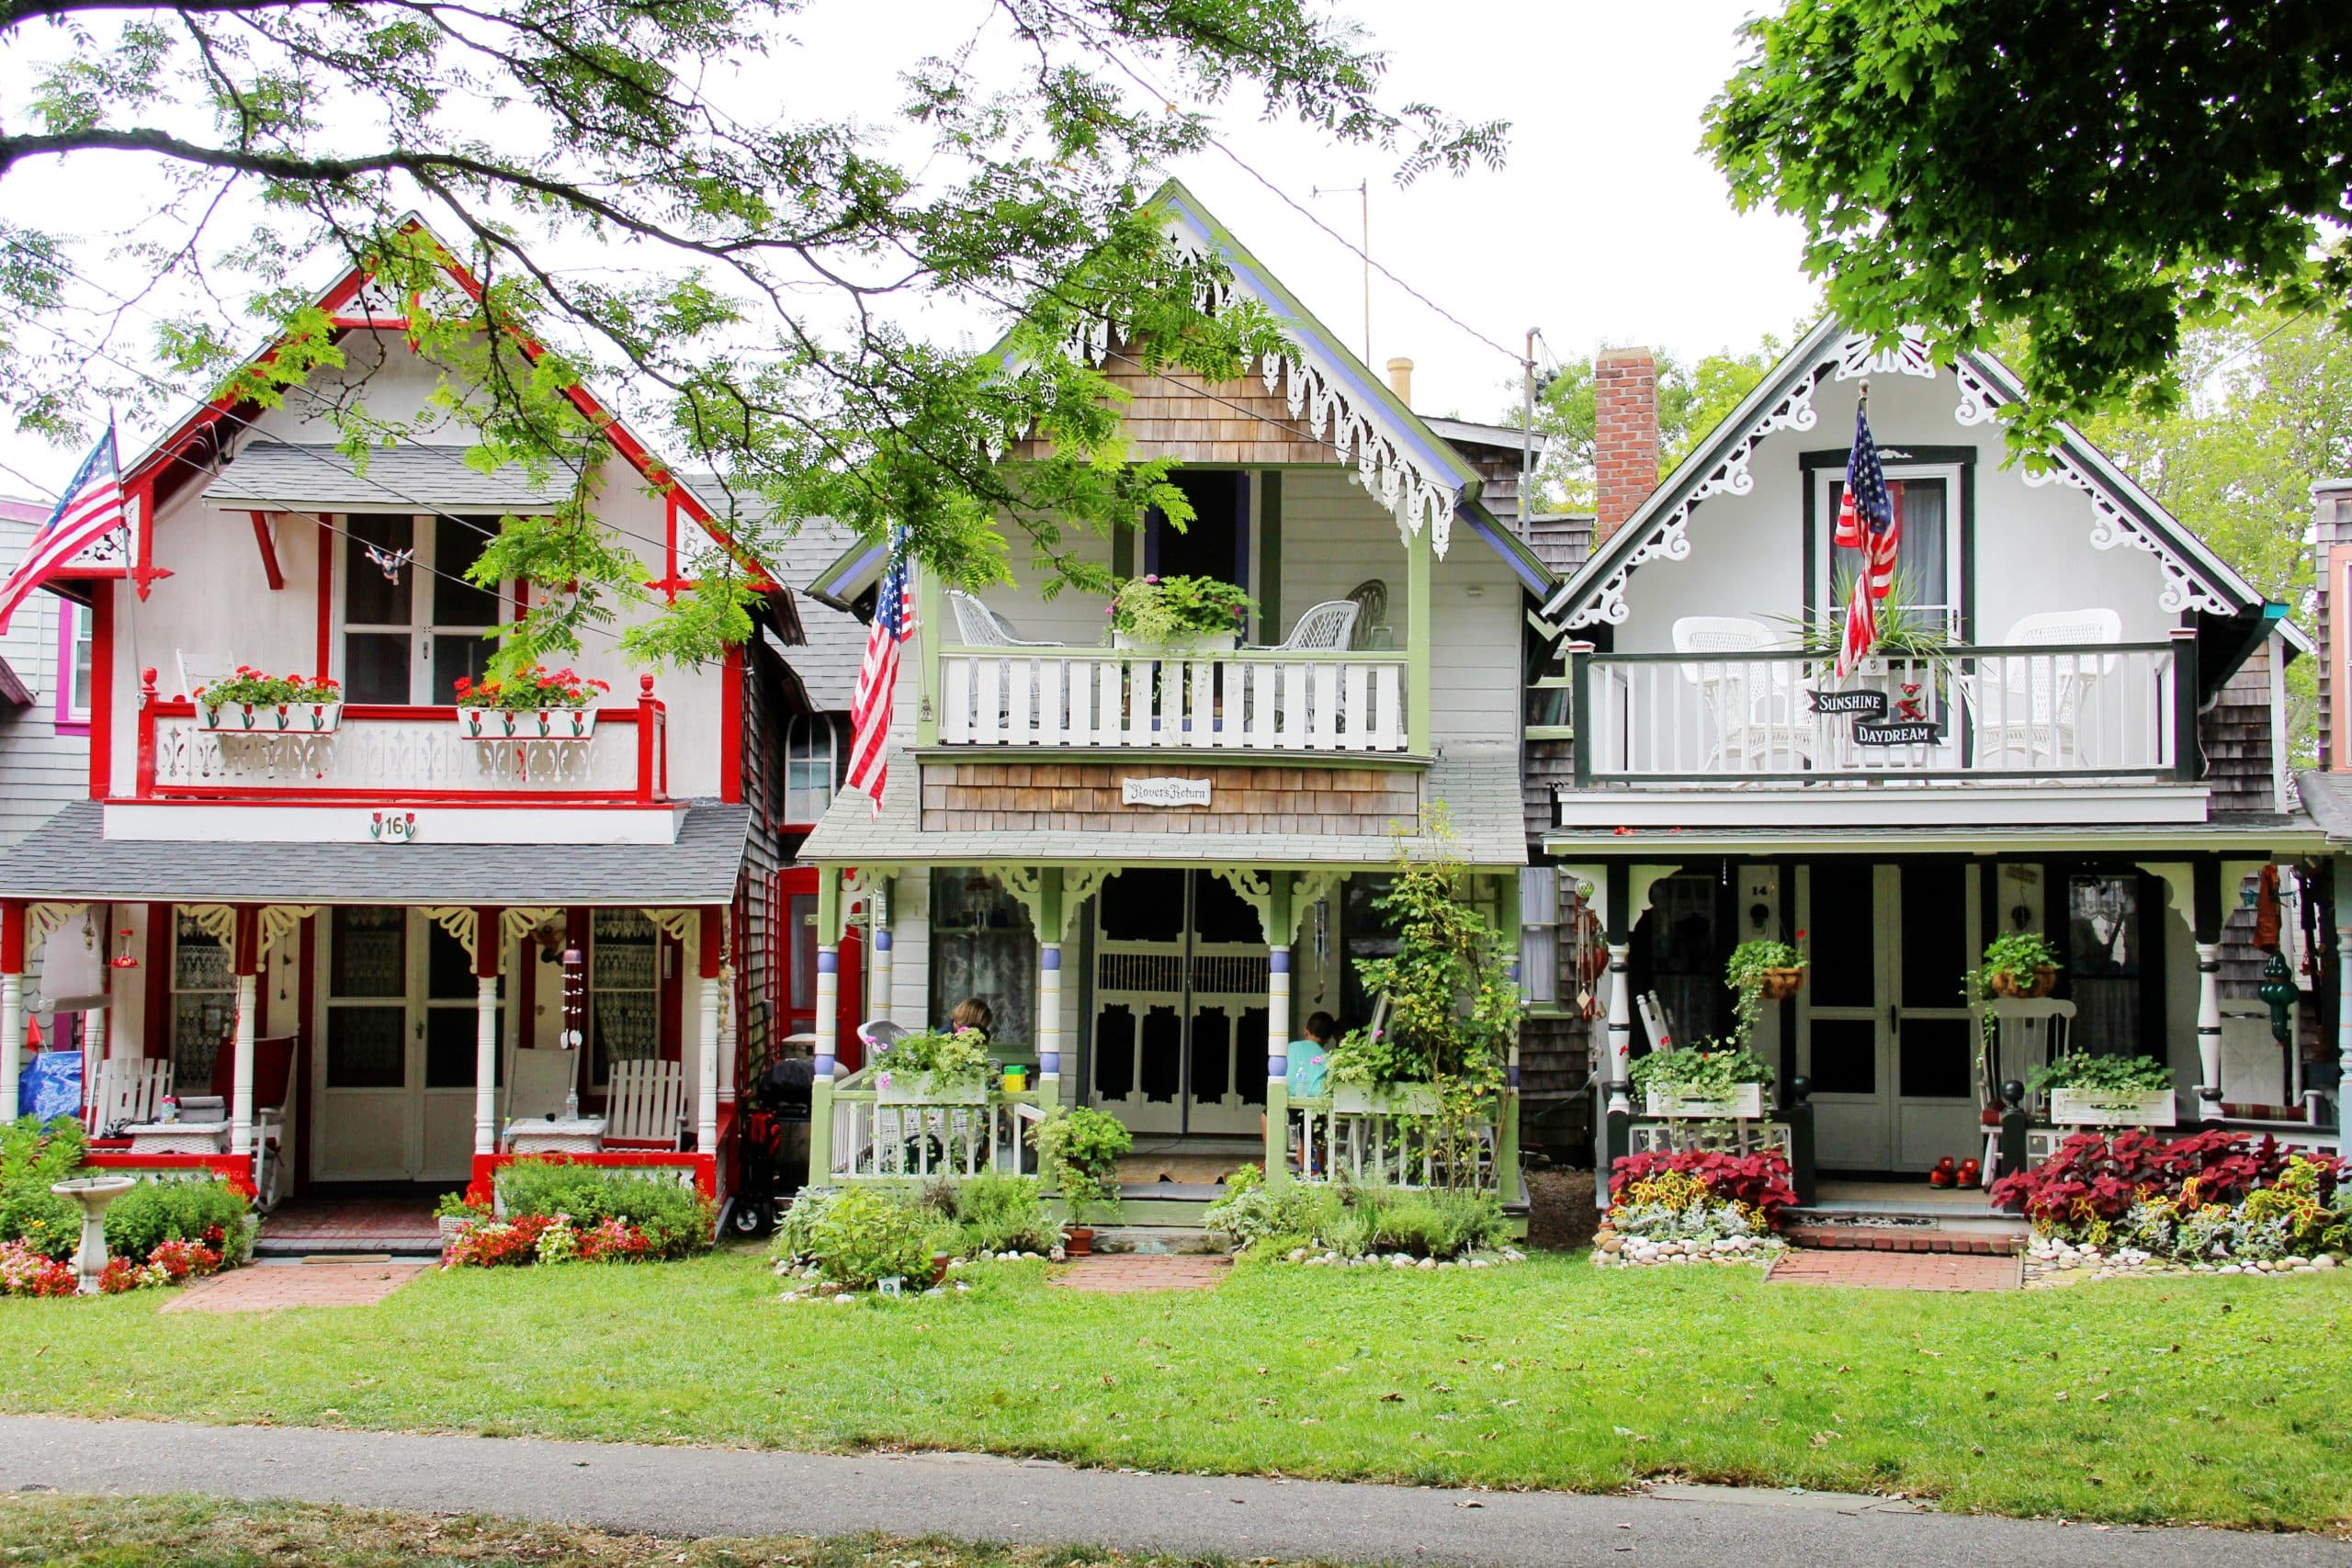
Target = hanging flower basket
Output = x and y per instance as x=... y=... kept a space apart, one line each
x=2040 y=982
x=1779 y=985
x=505 y=725
x=270 y=721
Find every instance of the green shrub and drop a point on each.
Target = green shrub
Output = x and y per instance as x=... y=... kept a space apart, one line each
x=1003 y=1213
x=676 y=1219
x=863 y=1236
x=1433 y=1222
x=1079 y=1148
x=33 y=1155
x=156 y=1212
x=1353 y=1221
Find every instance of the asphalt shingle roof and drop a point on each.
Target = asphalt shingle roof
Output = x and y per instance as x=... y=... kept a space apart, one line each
x=827 y=662
x=70 y=858
x=1480 y=786
x=406 y=478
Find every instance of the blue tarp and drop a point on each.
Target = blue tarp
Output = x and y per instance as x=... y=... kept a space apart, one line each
x=51 y=1085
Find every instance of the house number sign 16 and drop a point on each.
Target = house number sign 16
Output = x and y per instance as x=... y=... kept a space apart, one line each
x=393 y=827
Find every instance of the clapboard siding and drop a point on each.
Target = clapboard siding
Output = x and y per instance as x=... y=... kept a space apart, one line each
x=40 y=770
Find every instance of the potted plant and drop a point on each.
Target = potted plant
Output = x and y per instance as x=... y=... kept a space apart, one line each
x=533 y=703
x=250 y=703
x=1713 y=1080
x=933 y=1067
x=1760 y=971
x=1372 y=1073
x=2021 y=964
x=1177 y=614
x=2107 y=1092
x=456 y=1213
x=1080 y=1149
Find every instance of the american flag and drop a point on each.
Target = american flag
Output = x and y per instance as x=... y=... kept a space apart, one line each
x=1866 y=522
x=92 y=508
x=877 y=677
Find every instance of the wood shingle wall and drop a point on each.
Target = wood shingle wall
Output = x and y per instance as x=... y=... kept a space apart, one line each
x=1233 y=423
x=2235 y=733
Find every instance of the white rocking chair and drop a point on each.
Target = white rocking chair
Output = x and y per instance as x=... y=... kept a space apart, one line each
x=126 y=1089
x=646 y=1102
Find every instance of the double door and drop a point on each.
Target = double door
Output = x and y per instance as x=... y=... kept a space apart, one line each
x=1181 y=974
x=1884 y=1031
x=396 y=1051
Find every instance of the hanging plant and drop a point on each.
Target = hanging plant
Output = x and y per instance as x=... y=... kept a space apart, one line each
x=1761 y=971
x=2022 y=963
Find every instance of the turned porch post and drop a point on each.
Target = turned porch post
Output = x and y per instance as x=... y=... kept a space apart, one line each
x=1506 y=1121
x=877 y=980
x=488 y=932
x=245 y=939
x=2343 y=1003
x=1049 y=988
x=12 y=1003
x=1278 y=1026
x=713 y=932
x=828 y=1026
x=2206 y=920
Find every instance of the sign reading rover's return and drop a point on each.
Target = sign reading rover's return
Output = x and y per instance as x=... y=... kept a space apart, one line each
x=1859 y=704
x=1163 y=792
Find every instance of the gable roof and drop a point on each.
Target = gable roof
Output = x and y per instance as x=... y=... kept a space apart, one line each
x=2195 y=577
x=195 y=446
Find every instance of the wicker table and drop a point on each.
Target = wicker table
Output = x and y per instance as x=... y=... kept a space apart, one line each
x=557 y=1135
x=178 y=1137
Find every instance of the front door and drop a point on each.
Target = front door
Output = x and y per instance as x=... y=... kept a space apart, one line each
x=1181 y=974
x=397 y=1051
x=1884 y=1028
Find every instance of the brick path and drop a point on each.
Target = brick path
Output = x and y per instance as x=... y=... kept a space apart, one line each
x=1889 y=1238
x=1895 y=1270
x=269 y=1286
x=371 y=1224
x=1128 y=1274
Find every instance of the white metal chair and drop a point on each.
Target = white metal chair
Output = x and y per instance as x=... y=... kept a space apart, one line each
x=126 y=1089
x=980 y=627
x=2029 y=714
x=1326 y=626
x=1753 y=712
x=645 y=1102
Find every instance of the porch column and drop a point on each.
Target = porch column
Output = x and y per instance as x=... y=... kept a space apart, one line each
x=2343 y=997
x=1278 y=1026
x=878 y=1004
x=2207 y=917
x=12 y=1003
x=245 y=941
x=1506 y=1121
x=488 y=939
x=713 y=922
x=828 y=1053
x=1049 y=988
x=1618 y=915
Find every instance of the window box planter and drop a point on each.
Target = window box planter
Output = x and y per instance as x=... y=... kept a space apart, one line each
x=1182 y=648
x=923 y=1089
x=1394 y=1099
x=2112 y=1107
x=269 y=720
x=503 y=726
x=1746 y=1101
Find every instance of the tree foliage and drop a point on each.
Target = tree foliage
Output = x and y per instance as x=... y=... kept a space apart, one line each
x=769 y=284
x=1692 y=400
x=2109 y=176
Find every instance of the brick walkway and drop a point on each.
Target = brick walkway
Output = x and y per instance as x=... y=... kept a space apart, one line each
x=1888 y=1238
x=352 y=1224
x=1896 y=1270
x=1128 y=1274
x=268 y=1287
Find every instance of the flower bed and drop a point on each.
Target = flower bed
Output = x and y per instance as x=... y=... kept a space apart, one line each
x=1694 y=1206
x=2211 y=1202
x=158 y=1234
x=838 y=1242
x=1304 y=1222
x=555 y=1210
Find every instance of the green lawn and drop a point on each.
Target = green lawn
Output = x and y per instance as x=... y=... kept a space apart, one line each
x=191 y=1532
x=2214 y=1400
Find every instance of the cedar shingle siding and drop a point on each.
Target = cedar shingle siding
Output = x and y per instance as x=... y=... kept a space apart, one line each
x=2236 y=733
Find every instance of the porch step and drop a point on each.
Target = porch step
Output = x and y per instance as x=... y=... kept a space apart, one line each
x=1907 y=1239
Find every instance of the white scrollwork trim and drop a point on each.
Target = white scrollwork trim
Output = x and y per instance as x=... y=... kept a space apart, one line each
x=458 y=920
x=1980 y=403
x=40 y=919
x=1858 y=356
x=2112 y=525
x=281 y=920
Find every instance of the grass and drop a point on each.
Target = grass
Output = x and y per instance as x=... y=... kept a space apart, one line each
x=197 y=1532
x=2208 y=1399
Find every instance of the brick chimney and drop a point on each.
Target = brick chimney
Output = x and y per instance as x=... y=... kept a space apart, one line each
x=1400 y=380
x=2332 y=546
x=1624 y=445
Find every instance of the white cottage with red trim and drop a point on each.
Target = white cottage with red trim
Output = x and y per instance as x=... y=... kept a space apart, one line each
x=375 y=937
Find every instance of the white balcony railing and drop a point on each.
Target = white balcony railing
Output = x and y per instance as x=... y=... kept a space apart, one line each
x=1249 y=699
x=2018 y=714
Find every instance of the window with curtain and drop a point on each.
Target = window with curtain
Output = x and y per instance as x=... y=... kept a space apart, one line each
x=2106 y=964
x=982 y=945
x=1923 y=581
x=204 y=1002
x=624 y=990
x=1539 y=935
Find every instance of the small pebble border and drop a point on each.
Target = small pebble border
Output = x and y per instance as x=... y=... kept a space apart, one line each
x=2052 y=1261
x=1612 y=1250
x=1313 y=1259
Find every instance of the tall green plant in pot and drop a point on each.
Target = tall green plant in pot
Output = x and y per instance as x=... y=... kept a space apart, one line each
x=1080 y=1149
x=1453 y=1007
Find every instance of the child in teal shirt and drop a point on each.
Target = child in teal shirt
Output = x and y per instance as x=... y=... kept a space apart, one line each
x=1308 y=1076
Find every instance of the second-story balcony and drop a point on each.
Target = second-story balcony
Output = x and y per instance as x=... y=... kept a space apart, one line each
x=614 y=754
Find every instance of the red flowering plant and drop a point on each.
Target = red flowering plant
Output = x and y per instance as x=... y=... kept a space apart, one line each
x=25 y=1272
x=2094 y=1177
x=250 y=687
x=612 y=1240
x=1759 y=1181
x=531 y=689
x=499 y=1243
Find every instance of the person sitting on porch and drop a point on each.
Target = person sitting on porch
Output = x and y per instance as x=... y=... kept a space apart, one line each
x=973 y=1013
x=1308 y=1072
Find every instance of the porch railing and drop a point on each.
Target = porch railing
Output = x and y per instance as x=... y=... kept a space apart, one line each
x=872 y=1141
x=1248 y=699
x=2009 y=714
x=1390 y=1149
x=392 y=752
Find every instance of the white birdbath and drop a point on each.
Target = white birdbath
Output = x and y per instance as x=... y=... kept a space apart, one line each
x=94 y=1193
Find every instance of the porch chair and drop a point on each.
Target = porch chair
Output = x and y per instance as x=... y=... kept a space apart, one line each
x=977 y=626
x=1326 y=626
x=193 y=673
x=2259 y=1075
x=2033 y=712
x=2028 y=1032
x=1370 y=631
x=1753 y=721
x=125 y=1089
x=1657 y=1022
x=537 y=1081
x=645 y=1103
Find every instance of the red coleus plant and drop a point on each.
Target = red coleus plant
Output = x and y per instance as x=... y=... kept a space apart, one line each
x=2094 y=1177
x=1759 y=1181
x=529 y=689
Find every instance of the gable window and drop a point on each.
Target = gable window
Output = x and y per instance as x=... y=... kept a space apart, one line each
x=810 y=759
x=411 y=628
x=1930 y=581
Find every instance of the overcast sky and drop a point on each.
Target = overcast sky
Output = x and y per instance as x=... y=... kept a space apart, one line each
x=1605 y=225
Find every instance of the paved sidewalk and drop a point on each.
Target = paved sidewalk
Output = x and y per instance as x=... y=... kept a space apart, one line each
x=269 y=1286
x=683 y=1492
x=1897 y=1271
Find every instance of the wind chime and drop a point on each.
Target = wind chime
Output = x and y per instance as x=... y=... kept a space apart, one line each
x=575 y=1020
